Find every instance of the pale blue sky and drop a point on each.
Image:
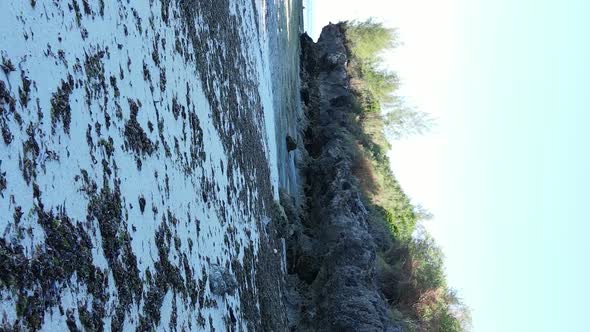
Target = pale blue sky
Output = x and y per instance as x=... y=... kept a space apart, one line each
x=507 y=170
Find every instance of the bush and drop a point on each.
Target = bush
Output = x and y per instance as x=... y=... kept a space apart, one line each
x=367 y=40
x=374 y=85
x=402 y=120
x=410 y=270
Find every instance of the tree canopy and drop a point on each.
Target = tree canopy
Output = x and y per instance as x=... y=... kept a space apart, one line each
x=412 y=271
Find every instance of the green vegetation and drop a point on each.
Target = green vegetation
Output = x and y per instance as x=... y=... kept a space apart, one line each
x=411 y=271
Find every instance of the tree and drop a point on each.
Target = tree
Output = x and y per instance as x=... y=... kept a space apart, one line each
x=428 y=262
x=422 y=213
x=402 y=120
x=369 y=39
x=380 y=84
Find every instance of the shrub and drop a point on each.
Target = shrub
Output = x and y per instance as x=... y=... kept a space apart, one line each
x=367 y=40
x=410 y=270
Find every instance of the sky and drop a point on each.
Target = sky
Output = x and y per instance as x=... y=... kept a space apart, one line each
x=506 y=170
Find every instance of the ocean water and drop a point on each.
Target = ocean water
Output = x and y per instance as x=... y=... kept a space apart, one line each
x=284 y=56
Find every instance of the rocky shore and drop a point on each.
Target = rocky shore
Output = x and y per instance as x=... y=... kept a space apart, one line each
x=331 y=254
x=143 y=148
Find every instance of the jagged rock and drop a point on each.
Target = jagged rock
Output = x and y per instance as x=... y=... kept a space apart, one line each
x=279 y=218
x=291 y=143
x=221 y=281
x=307 y=267
x=333 y=250
x=335 y=59
x=288 y=204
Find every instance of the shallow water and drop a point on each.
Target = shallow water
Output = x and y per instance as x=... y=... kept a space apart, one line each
x=152 y=136
x=284 y=53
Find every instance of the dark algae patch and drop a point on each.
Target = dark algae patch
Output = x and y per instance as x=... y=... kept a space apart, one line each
x=106 y=208
x=108 y=146
x=167 y=276
x=142 y=204
x=2 y=182
x=24 y=91
x=95 y=75
x=7 y=105
x=239 y=124
x=135 y=137
x=6 y=134
x=7 y=66
x=60 y=105
x=36 y=280
x=31 y=150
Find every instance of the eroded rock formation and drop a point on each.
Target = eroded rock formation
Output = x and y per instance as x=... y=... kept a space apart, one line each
x=331 y=253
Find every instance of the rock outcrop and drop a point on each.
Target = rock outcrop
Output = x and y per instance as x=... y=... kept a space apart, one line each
x=331 y=254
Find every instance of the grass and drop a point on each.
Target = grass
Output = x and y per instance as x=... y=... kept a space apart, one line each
x=411 y=270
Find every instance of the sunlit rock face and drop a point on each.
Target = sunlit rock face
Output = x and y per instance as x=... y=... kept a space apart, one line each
x=332 y=254
x=135 y=186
